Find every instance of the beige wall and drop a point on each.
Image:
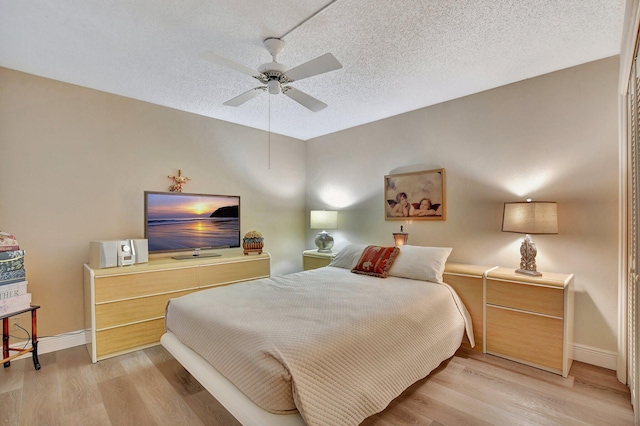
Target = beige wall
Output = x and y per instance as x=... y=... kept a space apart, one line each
x=552 y=137
x=75 y=163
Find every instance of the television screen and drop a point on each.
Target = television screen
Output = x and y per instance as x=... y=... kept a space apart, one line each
x=176 y=221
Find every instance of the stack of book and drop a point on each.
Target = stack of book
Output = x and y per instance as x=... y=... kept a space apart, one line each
x=13 y=277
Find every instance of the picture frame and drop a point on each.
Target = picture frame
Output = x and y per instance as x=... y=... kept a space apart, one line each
x=415 y=196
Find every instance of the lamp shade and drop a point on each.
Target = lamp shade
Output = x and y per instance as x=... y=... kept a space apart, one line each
x=324 y=219
x=401 y=237
x=535 y=217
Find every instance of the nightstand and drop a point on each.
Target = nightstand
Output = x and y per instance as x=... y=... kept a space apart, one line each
x=313 y=259
x=530 y=319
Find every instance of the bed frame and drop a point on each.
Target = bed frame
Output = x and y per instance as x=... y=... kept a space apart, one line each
x=237 y=403
x=467 y=280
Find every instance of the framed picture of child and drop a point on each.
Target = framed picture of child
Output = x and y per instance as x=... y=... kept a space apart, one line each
x=415 y=196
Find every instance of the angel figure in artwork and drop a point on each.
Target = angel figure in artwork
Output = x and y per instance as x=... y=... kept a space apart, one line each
x=178 y=182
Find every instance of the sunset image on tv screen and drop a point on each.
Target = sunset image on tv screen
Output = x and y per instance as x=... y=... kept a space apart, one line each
x=176 y=221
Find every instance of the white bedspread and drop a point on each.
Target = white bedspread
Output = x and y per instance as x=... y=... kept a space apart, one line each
x=334 y=345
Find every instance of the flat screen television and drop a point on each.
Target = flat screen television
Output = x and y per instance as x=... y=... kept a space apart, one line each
x=175 y=221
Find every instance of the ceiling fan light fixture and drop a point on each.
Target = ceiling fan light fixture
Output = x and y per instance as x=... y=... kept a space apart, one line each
x=274 y=87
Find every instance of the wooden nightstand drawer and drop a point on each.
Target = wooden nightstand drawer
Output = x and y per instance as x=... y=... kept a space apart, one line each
x=535 y=339
x=313 y=259
x=314 y=263
x=527 y=297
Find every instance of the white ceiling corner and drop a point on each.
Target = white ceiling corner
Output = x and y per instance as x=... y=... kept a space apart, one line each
x=397 y=56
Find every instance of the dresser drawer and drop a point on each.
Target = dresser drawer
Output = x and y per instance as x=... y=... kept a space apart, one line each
x=128 y=337
x=136 y=285
x=528 y=297
x=133 y=310
x=532 y=338
x=233 y=272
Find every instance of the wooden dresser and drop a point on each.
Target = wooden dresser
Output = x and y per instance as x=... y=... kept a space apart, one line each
x=530 y=319
x=125 y=306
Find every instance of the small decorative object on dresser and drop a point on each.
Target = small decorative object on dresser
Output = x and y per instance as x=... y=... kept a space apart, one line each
x=253 y=242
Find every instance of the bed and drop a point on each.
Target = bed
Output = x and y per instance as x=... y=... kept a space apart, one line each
x=320 y=347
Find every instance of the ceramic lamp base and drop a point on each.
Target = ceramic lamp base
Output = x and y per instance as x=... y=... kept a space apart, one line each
x=528 y=252
x=324 y=242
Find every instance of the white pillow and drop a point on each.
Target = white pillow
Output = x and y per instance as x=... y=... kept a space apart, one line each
x=348 y=257
x=420 y=263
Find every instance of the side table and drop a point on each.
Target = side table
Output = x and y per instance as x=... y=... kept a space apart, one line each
x=21 y=351
x=529 y=319
x=312 y=259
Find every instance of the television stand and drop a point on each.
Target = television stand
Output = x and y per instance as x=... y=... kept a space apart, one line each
x=125 y=306
x=195 y=256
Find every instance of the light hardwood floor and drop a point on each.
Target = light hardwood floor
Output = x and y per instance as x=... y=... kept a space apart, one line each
x=149 y=387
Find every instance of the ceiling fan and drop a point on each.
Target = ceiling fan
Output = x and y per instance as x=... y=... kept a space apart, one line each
x=276 y=77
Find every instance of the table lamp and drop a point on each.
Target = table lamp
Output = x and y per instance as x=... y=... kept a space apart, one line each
x=530 y=217
x=324 y=219
x=401 y=237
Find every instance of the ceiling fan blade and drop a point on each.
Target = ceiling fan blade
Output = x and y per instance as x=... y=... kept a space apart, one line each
x=303 y=99
x=239 y=100
x=319 y=65
x=221 y=60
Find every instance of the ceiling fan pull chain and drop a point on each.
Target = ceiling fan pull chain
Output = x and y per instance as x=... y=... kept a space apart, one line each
x=269 y=153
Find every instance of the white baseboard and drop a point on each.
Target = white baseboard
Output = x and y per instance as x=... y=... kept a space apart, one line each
x=55 y=343
x=582 y=353
x=595 y=356
x=61 y=341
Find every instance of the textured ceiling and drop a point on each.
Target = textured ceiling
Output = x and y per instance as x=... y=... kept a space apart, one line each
x=397 y=56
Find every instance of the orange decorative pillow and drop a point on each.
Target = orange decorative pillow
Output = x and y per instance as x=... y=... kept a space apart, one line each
x=376 y=261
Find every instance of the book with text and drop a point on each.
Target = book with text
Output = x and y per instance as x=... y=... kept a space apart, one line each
x=13 y=290
x=15 y=304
